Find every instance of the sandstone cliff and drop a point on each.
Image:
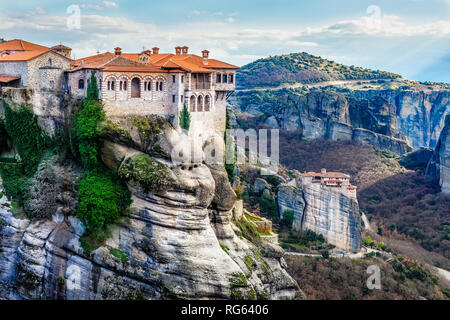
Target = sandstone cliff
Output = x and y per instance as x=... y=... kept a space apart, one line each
x=178 y=240
x=325 y=211
x=439 y=165
x=395 y=120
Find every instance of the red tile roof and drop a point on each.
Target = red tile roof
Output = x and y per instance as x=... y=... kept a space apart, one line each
x=27 y=55
x=23 y=55
x=6 y=79
x=20 y=45
x=186 y=62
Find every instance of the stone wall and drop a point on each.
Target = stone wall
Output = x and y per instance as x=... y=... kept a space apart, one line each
x=55 y=66
x=15 y=69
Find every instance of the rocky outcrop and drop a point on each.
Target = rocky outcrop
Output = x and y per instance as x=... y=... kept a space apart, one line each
x=323 y=210
x=179 y=239
x=439 y=165
x=394 y=120
x=420 y=114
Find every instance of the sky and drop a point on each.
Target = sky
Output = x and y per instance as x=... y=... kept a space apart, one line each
x=409 y=37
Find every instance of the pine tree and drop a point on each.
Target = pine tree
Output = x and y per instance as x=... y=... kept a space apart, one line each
x=229 y=167
x=185 y=118
x=92 y=89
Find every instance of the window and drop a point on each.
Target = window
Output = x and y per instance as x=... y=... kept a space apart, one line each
x=219 y=78
x=111 y=85
x=81 y=84
x=224 y=78
x=159 y=86
x=149 y=86
x=52 y=84
x=173 y=79
x=120 y=83
x=182 y=98
x=182 y=79
x=125 y=83
x=230 y=78
x=50 y=62
x=173 y=98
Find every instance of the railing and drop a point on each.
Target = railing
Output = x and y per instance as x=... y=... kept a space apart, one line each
x=201 y=85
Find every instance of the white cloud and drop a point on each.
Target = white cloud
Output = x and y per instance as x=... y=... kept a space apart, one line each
x=110 y=4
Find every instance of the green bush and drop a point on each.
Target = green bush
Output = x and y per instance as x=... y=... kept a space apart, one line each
x=288 y=218
x=102 y=199
x=15 y=182
x=87 y=133
x=21 y=125
x=269 y=207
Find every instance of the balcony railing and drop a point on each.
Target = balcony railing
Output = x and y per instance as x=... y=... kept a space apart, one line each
x=201 y=85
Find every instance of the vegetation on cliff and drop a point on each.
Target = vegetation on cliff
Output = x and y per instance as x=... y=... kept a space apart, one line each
x=301 y=67
x=151 y=174
x=102 y=197
x=185 y=118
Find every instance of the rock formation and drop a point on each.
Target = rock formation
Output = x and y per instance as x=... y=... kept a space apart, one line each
x=178 y=241
x=395 y=120
x=325 y=211
x=439 y=165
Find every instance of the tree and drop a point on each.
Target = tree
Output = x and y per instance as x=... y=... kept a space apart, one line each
x=185 y=118
x=92 y=89
x=229 y=167
x=288 y=218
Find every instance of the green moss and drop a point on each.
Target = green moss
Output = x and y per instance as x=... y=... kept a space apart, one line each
x=250 y=263
x=248 y=231
x=238 y=280
x=119 y=254
x=149 y=126
x=111 y=127
x=151 y=174
x=224 y=248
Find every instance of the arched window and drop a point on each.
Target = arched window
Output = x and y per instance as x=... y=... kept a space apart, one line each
x=159 y=86
x=192 y=104
x=81 y=84
x=207 y=102
x=111 y=85
x=136 y=88
x=200 y=103
x=148 y=85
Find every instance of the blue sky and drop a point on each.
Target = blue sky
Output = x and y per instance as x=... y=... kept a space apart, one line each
x=410 y=37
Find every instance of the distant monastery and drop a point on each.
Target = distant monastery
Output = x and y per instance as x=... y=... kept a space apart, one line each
x=337 y=180
x=143 y=83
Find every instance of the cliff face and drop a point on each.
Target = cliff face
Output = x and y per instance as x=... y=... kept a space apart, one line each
x=386 y=119
x=439 y=165
x=420 y=114
x=169 y=246
x=324 y=211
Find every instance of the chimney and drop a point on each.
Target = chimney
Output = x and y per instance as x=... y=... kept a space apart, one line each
x=117 y=51
x=323 y=170
x=184 y=50
x=205 y=55
x=178 y=50
x=155 y=50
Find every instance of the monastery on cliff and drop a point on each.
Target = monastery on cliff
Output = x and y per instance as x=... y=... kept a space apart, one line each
x=142 y=83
